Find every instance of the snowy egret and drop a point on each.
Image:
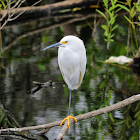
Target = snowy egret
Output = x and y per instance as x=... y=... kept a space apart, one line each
x=72 y=63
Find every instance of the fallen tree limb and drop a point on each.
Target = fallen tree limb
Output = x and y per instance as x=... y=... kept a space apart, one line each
x=49 y=10
x=100 y=111
x=52 y=7
x=48 y=27
x=78 y=17
x=10 y=13
x=49 y=125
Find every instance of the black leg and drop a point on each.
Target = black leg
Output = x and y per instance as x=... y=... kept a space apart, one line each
x=69 y=101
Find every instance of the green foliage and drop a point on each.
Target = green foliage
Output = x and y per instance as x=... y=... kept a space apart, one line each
x=110 y=20
x=2 y=116
x=102 y=85
x=133 y=9
x=7 y=119
x=41 y=66
x=111 y=8
x=2 y=5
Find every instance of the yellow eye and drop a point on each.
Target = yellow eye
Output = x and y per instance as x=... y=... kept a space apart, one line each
x=64 y=42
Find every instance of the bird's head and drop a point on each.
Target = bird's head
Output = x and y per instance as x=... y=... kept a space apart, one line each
x=66 y=41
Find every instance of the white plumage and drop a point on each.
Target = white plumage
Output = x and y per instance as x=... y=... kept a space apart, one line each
x=72 y=61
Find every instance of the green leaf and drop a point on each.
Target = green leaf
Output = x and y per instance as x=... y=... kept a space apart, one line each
x=112 y=35
x=137 y=7
x=105 y=3
x=113 y=8
x=2 y=115
x=127 y=122
x=41 y=67
x=3 y=5
x=108 y=125
x=111 y=40
x=108 y=12
x=105 y=76
x=133 y=26
x=124 y=7
x=118 y=10
x=109 y=94
x=119 y=123
x=100 y=124
x=111 y=117
x=44 y=39
x=106 y=33
x=101 y=13
x=137 y=107
x=115 y=1
x=105 y=39
x=137 y=114
x=114 y=27
x=112 y=21
x=112 y=2
x=104 y=27
x=139 y=117
x=102 y=137
x=132 y=12
x=128 y=19
x=102 y=85
x=76 y=9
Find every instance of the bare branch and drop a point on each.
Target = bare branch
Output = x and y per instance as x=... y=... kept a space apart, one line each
x=49 y=125
x=23 y=11
x=4 y=24
x=11 y=14
x=100 y=111
x=9 y=5
x=17 y=8
x=42 y=132
x=15 y=4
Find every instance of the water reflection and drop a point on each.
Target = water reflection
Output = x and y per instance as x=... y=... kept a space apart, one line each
x=103 y=84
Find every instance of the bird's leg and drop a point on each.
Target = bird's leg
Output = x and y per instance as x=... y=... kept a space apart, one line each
x=70 y=92
x=69 y=116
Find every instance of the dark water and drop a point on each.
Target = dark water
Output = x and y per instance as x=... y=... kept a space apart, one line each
x=103 y=85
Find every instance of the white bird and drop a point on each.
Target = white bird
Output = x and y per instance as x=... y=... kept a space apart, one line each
x=72 y=63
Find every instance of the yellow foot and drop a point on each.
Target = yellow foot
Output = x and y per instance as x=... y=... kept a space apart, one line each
x=68 y=118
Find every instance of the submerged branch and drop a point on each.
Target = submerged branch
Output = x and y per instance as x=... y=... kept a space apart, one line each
x=100 y=111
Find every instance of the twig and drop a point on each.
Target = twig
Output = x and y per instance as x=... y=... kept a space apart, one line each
x=24 y=11
x=79 y=117
x=16 y=9
x=16 y=4
x=46 y=84
x=49 y=125
x=99 y=112
x=16 y=136
x=39 y=86
x=42 y=132
x=136 y=22
x=10 y=15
